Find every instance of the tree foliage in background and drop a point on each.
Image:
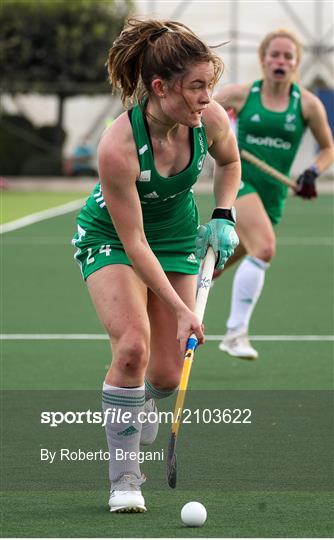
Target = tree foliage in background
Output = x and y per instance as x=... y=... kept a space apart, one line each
x=58 y=47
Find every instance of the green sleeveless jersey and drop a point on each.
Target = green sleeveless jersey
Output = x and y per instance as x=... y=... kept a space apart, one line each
x=166 y=201
x=271 y=136
x=169 y=210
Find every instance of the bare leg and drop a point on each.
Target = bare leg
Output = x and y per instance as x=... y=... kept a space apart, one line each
x=165 y=364
x=238 y=254
x=254 y=228
x=120 y=299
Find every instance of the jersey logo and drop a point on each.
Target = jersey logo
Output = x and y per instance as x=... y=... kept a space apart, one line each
x=290 y=117
x=192 y=258
x=255 y=118
x=200 y=162
x=296 y=96
x=152 y=195
x=201 y=142
x=289 y=126
x=143 y=149
x=145 y=176
x=269 y=142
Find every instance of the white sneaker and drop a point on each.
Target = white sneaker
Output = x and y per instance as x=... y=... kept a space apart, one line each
x=236 y=343
x=150 y=428
x=125 y=494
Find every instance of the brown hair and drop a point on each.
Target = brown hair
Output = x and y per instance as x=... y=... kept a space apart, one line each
x=149 y=48
x=280 y=33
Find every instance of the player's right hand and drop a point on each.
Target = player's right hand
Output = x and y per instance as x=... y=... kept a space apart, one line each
x=306 y=187
x=188 y=323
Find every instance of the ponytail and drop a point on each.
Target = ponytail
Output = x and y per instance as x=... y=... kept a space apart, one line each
x=146 y=49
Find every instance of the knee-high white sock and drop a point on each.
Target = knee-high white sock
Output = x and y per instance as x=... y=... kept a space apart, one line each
x=247 y=286
x=123 y=431
x=152 y=392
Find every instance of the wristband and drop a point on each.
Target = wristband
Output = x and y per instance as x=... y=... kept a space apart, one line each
x=224 y=213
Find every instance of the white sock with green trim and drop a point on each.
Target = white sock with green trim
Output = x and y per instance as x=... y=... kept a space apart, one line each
x=123 y=429
x=156 y=393
x=247 y=286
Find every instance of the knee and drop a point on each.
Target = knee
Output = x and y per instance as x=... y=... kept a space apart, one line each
x=267 y=250
x=131 y=354
x=167 y=382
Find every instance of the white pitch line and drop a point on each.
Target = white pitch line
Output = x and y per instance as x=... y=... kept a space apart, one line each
x=103 y=337
x=280 y=338
x=46 y=337
x=40 y=216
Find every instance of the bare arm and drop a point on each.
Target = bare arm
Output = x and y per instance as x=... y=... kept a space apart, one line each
x=219 y=231
x=118 y=169
x=232 y=96
x=223 y=148
x=316 y=118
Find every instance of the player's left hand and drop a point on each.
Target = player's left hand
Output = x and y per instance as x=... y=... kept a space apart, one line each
x=306 y=187
x=221 y=235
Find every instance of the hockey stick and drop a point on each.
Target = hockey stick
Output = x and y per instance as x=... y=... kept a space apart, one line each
x=201 y=299
x=268 y=169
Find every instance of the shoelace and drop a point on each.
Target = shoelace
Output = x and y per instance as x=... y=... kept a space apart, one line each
x=231 y=336
x=130 y=480
x=243 y=340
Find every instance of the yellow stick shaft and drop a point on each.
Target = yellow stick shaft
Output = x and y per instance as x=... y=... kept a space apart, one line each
x=201 y=300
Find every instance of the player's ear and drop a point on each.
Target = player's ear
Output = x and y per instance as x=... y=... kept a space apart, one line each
x=158 y=87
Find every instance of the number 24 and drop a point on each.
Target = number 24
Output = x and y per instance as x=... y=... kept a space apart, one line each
x=103 y=249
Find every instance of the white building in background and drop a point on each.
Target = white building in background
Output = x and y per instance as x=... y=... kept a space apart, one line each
x=242 y=23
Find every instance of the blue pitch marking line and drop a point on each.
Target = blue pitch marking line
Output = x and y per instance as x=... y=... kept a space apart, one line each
x=97 y=337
